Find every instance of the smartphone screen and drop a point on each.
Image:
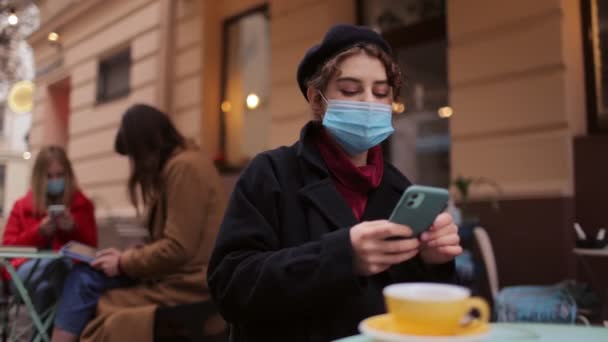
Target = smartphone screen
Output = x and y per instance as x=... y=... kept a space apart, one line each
x=56 y=209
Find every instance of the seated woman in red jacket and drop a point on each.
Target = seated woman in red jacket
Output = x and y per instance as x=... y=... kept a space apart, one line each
x=31 y=224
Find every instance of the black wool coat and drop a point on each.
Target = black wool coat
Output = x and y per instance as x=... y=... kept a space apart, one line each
x=282 y=267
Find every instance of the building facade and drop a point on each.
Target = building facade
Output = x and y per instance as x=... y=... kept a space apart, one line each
x=515 y=78
x=17 y=70
x=14 y=168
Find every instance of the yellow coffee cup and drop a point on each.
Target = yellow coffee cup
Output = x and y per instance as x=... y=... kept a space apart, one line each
x=434 y=309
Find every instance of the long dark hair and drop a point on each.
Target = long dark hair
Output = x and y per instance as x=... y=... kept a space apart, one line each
x=148 y=138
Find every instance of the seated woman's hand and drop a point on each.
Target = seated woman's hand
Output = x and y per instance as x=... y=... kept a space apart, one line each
x=47 y=227
x=441 y=242
x=108 y=261
x=65 y=221
x=374 y=253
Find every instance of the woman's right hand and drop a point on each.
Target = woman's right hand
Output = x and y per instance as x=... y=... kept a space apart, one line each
x=108 y=261
x=374 y=253
x=47 y=227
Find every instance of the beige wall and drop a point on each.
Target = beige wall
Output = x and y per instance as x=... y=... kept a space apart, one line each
x=516 y=85
x=186 y=62
x=50 y=9
x=106 y=27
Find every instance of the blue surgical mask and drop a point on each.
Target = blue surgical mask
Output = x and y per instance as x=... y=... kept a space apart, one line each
x=358 y=126
x=55 y=186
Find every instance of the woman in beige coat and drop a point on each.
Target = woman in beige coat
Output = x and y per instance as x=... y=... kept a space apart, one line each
x=114 y=298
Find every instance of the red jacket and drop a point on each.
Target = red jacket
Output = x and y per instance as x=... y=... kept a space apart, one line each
x=22 y=226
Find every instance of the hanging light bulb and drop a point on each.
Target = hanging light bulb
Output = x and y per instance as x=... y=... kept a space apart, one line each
x=13 y=19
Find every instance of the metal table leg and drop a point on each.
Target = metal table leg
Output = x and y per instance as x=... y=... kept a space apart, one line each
x=26 y=300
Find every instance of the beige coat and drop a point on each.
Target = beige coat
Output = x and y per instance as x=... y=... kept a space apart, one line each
x=173 y=266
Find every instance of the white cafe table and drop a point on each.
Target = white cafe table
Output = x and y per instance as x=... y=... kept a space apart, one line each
x=511 y=332
x=595 y=252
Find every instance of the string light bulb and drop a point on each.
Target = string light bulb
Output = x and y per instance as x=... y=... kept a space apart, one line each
x=445 y=112
x=398 y=107
x=226 y=106
x=13 y=19
x=53 y=37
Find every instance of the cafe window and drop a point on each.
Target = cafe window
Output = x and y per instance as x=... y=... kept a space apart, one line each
x=113 y=79
x=387 y=15
x=595 y=47
x=416 y=30
x=245 y=88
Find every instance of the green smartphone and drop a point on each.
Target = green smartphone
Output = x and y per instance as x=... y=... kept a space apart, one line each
x=419 y=206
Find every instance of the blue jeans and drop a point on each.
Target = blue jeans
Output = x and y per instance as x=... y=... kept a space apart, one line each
x=82 y=289
x=45 y=283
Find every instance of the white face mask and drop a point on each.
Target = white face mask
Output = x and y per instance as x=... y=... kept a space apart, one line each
x=55 y=186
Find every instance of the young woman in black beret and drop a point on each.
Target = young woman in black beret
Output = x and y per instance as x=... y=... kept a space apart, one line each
x=302 y=254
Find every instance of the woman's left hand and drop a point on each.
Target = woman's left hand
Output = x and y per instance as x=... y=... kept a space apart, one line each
x=108 y=261
x=65 y=221
x=441 y=243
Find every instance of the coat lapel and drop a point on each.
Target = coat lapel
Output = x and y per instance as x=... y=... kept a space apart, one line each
x=380 y=202
x=318 y=188
x=326 y=199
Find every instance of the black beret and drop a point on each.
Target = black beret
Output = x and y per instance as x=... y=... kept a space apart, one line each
x=337 y=39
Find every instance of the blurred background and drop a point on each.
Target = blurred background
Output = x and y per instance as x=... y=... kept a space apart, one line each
x=506 y=102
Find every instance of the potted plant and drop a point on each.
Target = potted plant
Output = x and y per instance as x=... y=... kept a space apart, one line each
x=463 y=186
x=469 y=267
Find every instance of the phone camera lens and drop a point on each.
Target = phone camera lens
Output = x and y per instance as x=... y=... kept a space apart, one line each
x=414 y=196
x=410 y=203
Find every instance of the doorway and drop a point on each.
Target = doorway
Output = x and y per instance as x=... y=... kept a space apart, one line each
x=416 y=30
x=58 y=113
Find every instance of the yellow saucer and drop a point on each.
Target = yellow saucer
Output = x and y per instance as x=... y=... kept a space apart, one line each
x=383 y=328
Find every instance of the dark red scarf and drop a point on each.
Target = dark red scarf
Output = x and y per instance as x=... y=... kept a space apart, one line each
x=353 y=183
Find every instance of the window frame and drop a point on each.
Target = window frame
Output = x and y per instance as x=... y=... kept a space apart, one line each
x=221 y=163
x=103 y=68
x=597 y=119
x=3 y=112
